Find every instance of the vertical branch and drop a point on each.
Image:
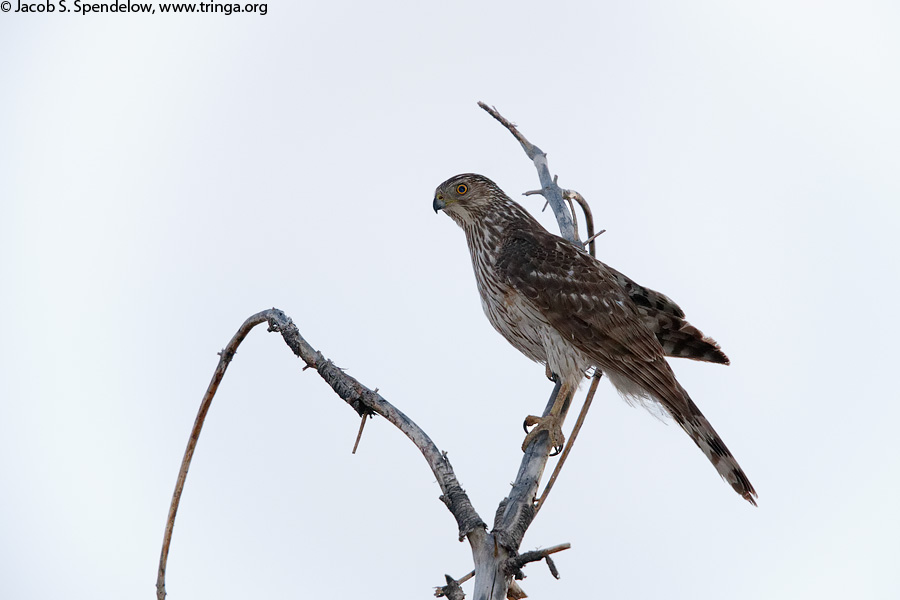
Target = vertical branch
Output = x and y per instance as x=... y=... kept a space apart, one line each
x=518 y=509
x=552 y=192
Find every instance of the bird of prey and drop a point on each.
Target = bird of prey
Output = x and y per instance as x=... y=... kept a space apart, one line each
x=561 y=307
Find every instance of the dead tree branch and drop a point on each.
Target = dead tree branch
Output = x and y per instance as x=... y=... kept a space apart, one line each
x=496 y=552
x=535 y=555
x=570 y=442
x=518 y=510
x=452 y=590
x=551 y=192
x=359 y=397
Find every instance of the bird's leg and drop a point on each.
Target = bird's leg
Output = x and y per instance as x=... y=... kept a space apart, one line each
x=551 y=421
x=550 y=375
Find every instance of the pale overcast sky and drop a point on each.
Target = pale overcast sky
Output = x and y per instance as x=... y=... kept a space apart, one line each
x=163 y=177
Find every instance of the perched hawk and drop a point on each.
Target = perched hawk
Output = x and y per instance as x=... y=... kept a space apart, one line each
x=563 y=308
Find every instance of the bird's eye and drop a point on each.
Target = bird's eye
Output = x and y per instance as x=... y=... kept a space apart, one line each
x=461 y=189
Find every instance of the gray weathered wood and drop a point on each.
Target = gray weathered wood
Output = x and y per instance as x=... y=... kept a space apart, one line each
x=495 y=553
x=549 y=189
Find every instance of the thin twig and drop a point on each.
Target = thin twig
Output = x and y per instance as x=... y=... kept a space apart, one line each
x=591 y=239
x=225 y=357
x=571 y=441
x=588 y=216
x=362 y=425
x=526 y=145
x=572 y=208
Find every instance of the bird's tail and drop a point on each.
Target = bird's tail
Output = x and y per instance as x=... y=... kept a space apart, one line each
x=659 y=388
x=706 y=438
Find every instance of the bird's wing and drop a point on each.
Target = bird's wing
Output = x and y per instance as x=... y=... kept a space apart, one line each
x=645 y=297
x=660 y=313
x=578 y=296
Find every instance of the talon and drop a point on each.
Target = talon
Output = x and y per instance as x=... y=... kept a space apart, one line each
x=551 y=425
x=529 y=421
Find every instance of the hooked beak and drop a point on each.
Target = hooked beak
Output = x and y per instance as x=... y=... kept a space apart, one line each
x=438 y=203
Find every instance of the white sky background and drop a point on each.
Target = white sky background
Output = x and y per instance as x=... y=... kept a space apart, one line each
x=162 y=178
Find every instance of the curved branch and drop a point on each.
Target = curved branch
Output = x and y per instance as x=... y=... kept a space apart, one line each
x=588 y=218
x=225 y=357
x=496 y=553
x=363 y=400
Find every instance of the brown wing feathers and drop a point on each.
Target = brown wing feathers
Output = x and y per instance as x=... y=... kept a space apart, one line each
x=658 y=312
x=598 y=309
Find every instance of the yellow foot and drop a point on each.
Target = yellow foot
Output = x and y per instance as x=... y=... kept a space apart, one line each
x=551 y=425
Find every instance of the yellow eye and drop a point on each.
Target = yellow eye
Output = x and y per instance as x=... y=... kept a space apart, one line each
x=461 y=189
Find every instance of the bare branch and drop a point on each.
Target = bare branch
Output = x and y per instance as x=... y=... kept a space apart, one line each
x=550 y=190
x=552 y=566
x=362 y=426
x=225 y=357
x=588 y=218
x=358 y=395
x=451 y=591
x=517 y=511
x=571 y=441
x=535 y=555
x=590 y=240
x=363 y=400
x=495 y=552
x=574 y=216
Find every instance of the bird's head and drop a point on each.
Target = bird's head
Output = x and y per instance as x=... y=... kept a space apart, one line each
x=463 y=196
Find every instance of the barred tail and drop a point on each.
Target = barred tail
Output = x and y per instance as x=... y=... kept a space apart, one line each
x=706 y=438
x=674 y=400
